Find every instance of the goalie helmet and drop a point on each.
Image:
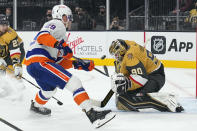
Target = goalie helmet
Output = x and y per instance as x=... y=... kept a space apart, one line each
x=118 y=48
x=59 y=11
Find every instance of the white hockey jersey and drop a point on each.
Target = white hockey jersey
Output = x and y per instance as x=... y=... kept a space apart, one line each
x=42 y=48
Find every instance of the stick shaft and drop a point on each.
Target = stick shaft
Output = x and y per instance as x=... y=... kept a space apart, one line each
x=10 y=125
x=34 y=85
x=107 y=98
x=38 y=87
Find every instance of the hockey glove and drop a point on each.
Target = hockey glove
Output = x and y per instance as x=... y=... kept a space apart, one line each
x=18 y=70
x=120 y=83
x=86 y=65
x=67 y=51
x=3 y=65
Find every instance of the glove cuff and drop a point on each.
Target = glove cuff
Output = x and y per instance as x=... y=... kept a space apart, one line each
x=60 y=45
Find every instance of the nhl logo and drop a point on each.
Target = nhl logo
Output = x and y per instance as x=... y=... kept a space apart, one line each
x=158 y=44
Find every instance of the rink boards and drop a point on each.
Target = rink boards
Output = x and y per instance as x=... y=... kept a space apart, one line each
x=175 y=49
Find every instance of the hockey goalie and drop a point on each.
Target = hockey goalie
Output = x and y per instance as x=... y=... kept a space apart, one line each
x=138 y=79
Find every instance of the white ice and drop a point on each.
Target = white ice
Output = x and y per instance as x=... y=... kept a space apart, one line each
x=15 y=103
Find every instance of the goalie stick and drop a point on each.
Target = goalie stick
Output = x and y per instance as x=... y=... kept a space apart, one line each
x=110 y=93
x=58 y=101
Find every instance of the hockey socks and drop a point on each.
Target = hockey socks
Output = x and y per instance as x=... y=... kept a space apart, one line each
x=82 y=99
x=40 y=98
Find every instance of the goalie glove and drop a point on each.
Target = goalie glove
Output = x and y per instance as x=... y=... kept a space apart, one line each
x=120 y=83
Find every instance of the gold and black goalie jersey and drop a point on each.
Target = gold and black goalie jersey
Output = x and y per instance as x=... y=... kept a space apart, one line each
x=137 y=63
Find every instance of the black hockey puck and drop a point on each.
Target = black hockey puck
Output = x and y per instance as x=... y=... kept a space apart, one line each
x=59 y=103
x=103 y=57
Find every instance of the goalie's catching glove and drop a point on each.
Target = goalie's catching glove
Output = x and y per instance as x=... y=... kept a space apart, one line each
x=120 y=83
x=86 y=65
x=67 y=51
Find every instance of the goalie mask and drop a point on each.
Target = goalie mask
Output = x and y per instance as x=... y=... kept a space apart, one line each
x=118 y=48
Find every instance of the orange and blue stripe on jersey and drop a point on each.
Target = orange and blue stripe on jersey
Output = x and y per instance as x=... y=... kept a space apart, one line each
x=63 y=76
x=38 y=54
x=49 y=75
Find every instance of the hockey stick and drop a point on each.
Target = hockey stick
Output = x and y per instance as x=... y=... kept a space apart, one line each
x=10 y=125
x=58 y=101
x=110 y=93
x=105 y=67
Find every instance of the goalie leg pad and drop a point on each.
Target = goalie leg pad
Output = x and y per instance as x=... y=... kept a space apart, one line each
x=131 y=102
x=167 y=99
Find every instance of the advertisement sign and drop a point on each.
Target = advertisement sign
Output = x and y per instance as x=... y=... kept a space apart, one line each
x=179 y=46
x=170 y=47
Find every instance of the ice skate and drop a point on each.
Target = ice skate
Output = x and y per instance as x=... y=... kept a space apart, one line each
x=40 y=110
x=99 y=118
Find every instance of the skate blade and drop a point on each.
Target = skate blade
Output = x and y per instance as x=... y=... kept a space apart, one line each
x=99 y=123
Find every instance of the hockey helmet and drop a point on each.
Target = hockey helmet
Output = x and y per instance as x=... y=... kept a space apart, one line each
x=118 y=49
x=59 y=11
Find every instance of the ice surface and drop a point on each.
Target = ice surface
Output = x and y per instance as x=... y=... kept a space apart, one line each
x=15 y=104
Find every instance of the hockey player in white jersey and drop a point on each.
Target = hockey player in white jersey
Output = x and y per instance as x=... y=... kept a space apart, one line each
x=47 y=60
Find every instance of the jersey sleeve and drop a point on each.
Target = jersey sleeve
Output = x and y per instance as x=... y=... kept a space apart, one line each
x=47 y=39
x=14 y=49
x=51 y=33
x=65 y=63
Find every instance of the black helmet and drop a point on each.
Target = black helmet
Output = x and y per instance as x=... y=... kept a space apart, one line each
x=3 y=20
